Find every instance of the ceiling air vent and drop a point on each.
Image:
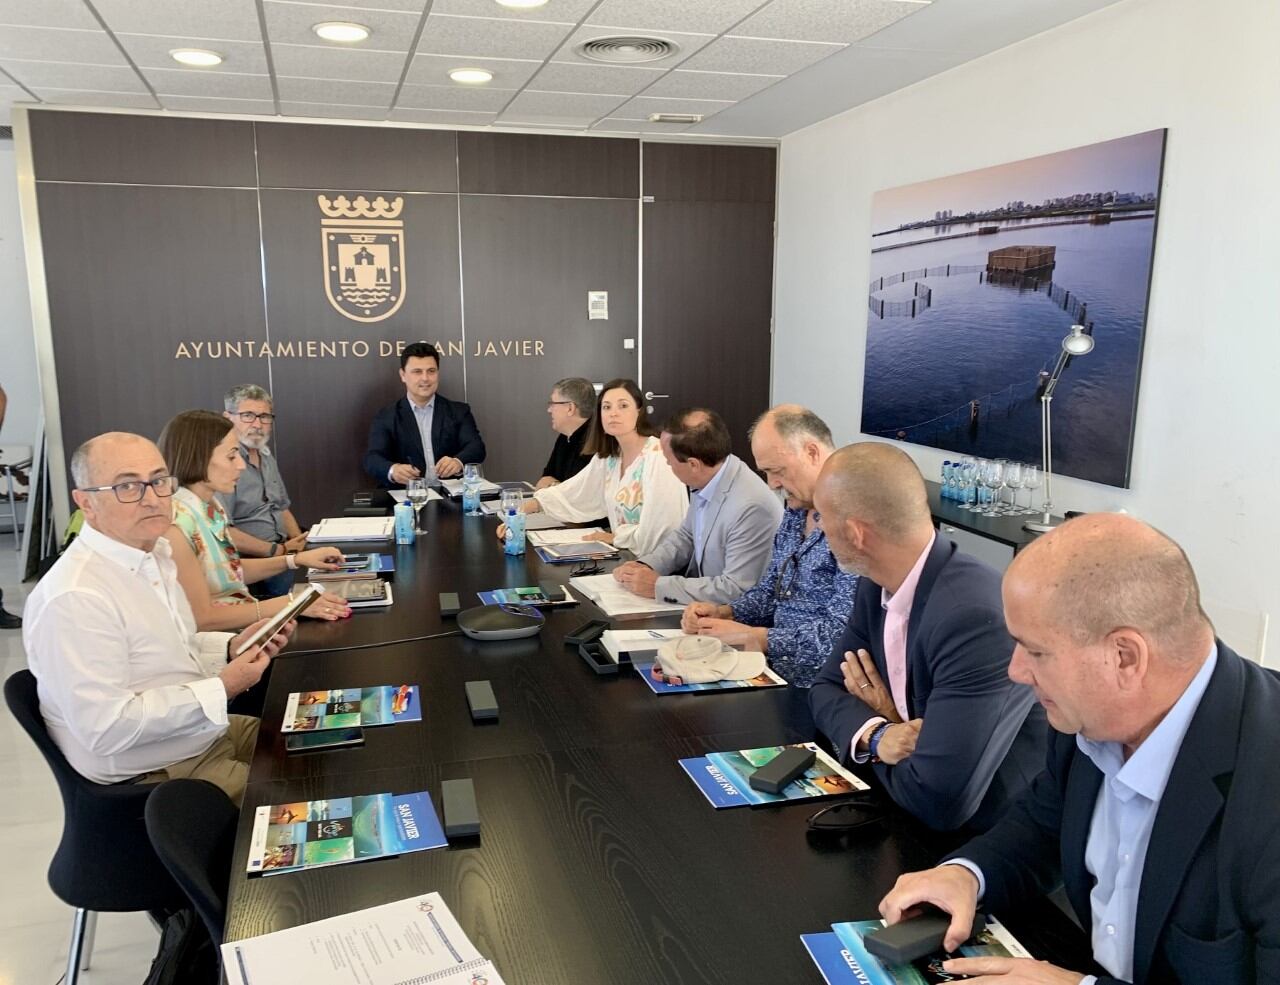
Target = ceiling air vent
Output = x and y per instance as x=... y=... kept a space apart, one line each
x=675 y=117
x=6 y=133
x=627 y=49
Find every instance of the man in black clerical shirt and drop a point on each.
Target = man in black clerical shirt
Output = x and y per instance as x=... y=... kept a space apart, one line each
x=572 y=403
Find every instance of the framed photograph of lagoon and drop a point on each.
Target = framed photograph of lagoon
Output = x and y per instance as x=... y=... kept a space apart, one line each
x=975 y=281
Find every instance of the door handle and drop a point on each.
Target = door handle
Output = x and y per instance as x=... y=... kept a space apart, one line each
x=650 y=395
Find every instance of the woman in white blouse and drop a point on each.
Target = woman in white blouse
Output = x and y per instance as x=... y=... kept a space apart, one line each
x=628 y=478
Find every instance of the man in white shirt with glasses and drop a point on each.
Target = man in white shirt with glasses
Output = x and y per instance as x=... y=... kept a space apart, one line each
x=129 y=690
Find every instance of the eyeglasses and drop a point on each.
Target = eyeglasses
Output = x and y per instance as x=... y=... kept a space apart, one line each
x=585 y=568
x=248 y=417
x=784 y=586
x=559 y=403
x=133 y=491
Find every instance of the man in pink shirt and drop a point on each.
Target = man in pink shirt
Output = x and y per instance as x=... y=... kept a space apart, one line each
x=918 y=686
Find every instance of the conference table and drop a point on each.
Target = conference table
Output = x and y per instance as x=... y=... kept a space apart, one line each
x=598 y=859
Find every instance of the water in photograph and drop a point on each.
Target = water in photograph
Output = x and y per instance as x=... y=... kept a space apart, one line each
x=987 y=342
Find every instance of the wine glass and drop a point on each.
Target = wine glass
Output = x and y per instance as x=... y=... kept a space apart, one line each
x=416 y=492
x=993 y=479
x=978 y=499
x=512 y=501
x=1031 y=481
x=1013 y=479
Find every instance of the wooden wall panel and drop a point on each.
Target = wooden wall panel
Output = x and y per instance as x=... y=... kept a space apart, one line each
x=132 y=273
x=150 y=150
x=528 y=264
x=541 y=164
x=339 y=158
x=709 y=173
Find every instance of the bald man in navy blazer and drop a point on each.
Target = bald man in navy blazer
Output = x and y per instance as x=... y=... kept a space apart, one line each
x=1158 y=808
x=402 y=433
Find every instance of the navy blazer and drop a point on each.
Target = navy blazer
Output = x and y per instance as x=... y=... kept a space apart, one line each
x=1209 y=902
x=984 y=736
x=394 y=438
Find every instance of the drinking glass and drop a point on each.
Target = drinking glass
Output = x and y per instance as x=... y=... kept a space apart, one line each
x=1031 y=481
x=1013 y=479
x=993 y=479
x=471 y=481
x=512 y=501
x=974 y=500
x=416 y=492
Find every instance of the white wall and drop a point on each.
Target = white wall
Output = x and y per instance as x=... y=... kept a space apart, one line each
x=17 y=349
x=1206 y=466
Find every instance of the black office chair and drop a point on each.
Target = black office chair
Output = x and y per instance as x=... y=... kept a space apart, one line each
x=193 y=828
x=105 y=862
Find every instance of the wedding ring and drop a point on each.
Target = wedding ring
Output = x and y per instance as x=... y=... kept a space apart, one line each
x=861 y=686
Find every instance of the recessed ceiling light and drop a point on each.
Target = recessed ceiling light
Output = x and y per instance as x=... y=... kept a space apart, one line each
x=197 y=57
x=522 y=3
x=342 y=31
x=471 y=76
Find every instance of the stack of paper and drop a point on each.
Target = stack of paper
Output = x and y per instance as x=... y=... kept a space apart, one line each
x=636 y=645
x=607 y=592
x=400 y=496
x=412 y=940
x=453 y=487
x=576 y=535
x=340 y=529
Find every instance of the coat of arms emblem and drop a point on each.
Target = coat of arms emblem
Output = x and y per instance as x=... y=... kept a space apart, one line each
x=363 y=256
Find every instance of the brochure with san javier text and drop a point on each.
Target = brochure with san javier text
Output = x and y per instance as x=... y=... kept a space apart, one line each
x=722 y=777
x=843 y=958
x=310 y=834
x=353 y=707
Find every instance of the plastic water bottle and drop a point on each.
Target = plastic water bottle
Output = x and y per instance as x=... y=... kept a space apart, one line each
x=948 y=492
x=404 y=523
x=515 y=533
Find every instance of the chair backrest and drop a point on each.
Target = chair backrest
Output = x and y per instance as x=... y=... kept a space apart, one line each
x=105 y=861
x=192 y=825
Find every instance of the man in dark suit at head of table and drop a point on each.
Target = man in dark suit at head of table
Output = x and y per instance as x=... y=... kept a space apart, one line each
x=1157 y=809
x=919 y=684
x=421 y=427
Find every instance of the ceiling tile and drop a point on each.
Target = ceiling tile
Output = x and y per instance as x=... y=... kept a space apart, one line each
x=755 y=57
x=454 y=97
x=335 y=91
x=566 y=109
x=208 y=84
x=508 y=73
x=640 y=107
x=86 y=97
x=673 y=15
x=402 y=115
x=310 y=61
x=612 y=123
x=153 y=52
x=59 y=45
x=235 y=20
x=194 y=104
x=495 y=38
x=825 y=20
x=579 y=77
x=332 y=112
x=560 y=11
x=62 y=75
x=415 y=6
x=687 y=45
x=48 y=13
x=684 y=84
x=977 y=27
x=291 y=23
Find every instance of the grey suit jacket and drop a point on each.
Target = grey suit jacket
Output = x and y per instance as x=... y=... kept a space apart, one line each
x=738 y=530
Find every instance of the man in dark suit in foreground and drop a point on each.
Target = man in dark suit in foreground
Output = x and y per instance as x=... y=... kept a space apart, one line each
x=422 y=426
x=919 y=683
x=1158 y=807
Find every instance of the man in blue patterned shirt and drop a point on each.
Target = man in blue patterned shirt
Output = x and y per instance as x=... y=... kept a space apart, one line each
x=796 y=613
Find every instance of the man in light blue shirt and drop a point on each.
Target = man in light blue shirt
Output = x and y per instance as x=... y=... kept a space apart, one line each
x=1157 y=806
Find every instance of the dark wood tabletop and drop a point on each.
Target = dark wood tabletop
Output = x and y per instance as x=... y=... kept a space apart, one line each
x=598 y=859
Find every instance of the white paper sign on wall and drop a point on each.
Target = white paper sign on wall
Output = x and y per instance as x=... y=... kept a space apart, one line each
x=597 y=305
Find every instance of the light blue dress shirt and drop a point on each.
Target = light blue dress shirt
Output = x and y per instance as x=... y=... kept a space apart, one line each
x=701 y=501
x=1120 y=831
x=423 y=415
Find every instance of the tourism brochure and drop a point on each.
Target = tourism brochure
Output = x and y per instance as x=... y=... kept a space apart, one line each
x=358 y=567
x=843 y=958
x=414 y=941
x=531 y=595
x=722 y=777
x=353 y=707
x=315 y=833
x=765 y=680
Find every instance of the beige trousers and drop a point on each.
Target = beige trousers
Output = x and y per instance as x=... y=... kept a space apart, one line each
x=225 y=764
